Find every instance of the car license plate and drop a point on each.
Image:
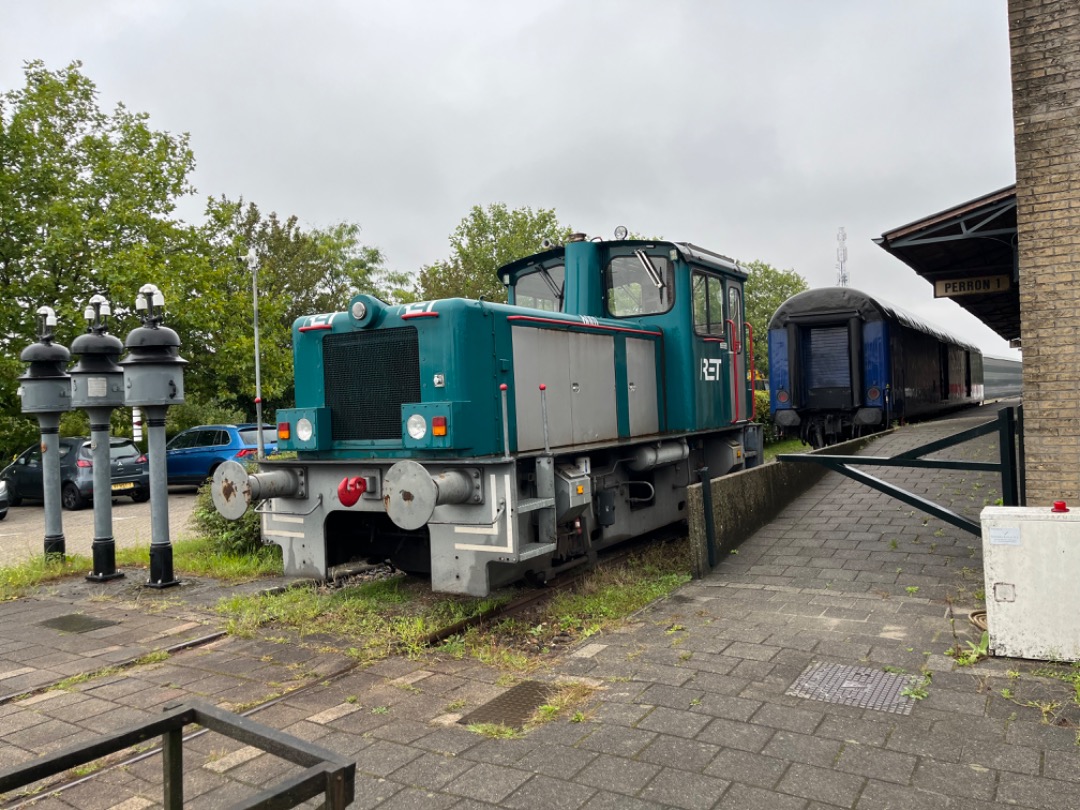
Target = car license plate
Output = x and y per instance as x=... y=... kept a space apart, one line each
x=128 y=485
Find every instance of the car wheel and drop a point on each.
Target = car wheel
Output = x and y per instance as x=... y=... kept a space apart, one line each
x=14 y=498
x=71 y=498
x=3 y=514
x=140 y=496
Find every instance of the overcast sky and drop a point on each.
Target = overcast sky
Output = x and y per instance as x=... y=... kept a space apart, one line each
x=755 y=129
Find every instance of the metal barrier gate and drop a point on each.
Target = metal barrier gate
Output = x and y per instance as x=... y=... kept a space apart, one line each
x=1009 y=427
x=327 y=773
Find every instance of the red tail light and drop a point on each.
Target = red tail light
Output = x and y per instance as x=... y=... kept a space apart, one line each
x=247 y=451
x=141 y=459
x=82 y=462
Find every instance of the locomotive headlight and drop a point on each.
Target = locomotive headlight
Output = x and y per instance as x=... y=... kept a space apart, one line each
x=304 y=429
x=416 y=425
x=359 y=311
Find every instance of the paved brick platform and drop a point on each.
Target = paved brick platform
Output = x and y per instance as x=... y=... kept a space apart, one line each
x=692 y=710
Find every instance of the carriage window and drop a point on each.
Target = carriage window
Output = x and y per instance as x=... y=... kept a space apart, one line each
x=640 y=284
x=542 y=289
x=708 y=305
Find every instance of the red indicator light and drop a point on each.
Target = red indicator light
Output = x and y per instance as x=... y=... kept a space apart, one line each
x=1059 y=506
x=438 y=426
x=873 y=393
x=141 y=459
x=283 y=430
x=82 y=462
x=781 y=396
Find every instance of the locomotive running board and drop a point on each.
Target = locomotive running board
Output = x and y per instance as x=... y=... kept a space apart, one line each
x=1011 y=475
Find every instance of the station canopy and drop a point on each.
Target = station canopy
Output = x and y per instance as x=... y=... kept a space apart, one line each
x=968 y=253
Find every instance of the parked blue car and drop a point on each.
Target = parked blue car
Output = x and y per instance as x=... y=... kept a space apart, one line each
x=192 y=456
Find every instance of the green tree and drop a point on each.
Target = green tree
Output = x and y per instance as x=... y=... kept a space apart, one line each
x=86 y=199
x=483 y=242
x=301 y=272
x=765 y=290
x=87 y=204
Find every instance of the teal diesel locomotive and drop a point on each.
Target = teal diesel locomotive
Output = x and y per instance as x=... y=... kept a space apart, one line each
x=481 y=443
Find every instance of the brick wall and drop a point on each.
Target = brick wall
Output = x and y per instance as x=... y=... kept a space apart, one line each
x=1045 y=42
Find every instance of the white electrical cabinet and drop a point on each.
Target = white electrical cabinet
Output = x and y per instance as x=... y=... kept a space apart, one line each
x=1031 y=562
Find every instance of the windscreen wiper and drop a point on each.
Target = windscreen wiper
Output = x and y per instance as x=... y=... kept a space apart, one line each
x=650 y=268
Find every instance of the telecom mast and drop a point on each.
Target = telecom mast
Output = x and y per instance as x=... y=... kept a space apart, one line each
x=841 y=258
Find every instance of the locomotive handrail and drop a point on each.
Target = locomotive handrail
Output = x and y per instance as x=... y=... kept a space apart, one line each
x=753 y=370
x=1005 y=425
x=258 y=510
x=734 y=368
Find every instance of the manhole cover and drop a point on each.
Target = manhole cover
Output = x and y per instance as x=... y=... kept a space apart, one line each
x=512 y=708
x=76 y=623
x=863 y=687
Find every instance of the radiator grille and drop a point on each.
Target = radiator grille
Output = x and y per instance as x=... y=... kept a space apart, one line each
x=368 y=375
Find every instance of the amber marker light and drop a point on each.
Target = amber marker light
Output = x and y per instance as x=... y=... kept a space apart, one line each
x=438 y=426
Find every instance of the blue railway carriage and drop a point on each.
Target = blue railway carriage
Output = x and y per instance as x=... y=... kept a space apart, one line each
x=483 y=442
x=842 y=362
x=1002 y=378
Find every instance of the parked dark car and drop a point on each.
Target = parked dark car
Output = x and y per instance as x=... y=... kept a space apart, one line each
x=3 y=500
x=192 y=456
x=129 y=472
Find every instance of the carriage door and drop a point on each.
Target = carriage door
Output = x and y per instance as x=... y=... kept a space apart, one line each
x=737 y=351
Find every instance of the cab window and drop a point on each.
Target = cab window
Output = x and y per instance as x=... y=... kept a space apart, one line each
x=735 y=309
x=708 y=305
x=638 y=284
x=542 y=289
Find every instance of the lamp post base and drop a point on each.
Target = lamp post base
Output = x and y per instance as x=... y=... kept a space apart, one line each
x=104 y=554
x=54 y=545
x=161 y=567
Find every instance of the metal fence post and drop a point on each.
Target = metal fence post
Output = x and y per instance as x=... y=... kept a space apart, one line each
x=710 y=526
x=172 y=758
x=1021 y=453
x=1007 y=448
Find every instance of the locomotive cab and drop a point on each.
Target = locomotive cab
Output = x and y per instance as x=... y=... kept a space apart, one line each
x=693 y=296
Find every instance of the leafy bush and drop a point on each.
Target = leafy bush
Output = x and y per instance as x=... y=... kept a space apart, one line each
x=192 y=414
x=764 y=417
x=228 y=536
x=16 y=434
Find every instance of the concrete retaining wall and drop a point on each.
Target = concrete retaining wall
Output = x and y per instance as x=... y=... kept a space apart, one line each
x=745 y=501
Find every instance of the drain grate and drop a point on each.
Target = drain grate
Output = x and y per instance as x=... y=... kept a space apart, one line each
x=76 y=623
x=863 y=687
x=512 y=708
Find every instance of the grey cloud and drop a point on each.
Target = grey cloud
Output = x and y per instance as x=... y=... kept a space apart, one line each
x=755 y=129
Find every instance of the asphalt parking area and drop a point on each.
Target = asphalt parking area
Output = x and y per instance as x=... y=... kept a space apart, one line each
x=22 y=533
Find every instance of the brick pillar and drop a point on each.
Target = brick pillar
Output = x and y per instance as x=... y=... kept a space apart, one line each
x=1045 y=40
